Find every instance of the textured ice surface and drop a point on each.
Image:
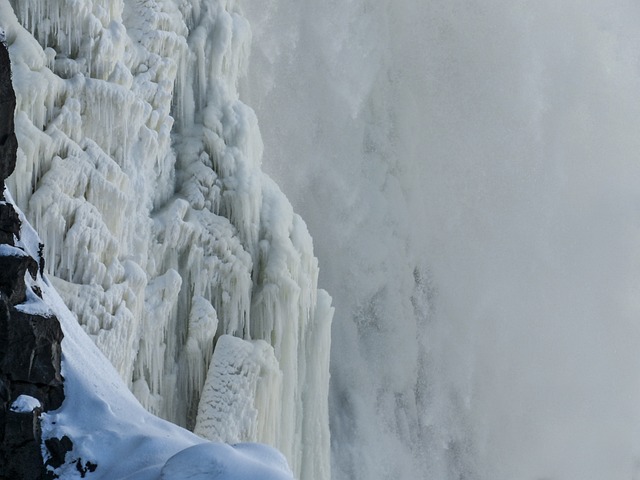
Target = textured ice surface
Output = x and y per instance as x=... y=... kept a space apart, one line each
x=140 y=168
x=112 y=433
x=243 y=379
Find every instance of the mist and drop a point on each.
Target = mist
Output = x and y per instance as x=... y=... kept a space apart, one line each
x=470 y=174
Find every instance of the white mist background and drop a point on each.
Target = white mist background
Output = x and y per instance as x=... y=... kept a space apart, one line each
x=470 y=174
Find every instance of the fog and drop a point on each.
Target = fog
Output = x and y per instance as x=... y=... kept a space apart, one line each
x=470 y=174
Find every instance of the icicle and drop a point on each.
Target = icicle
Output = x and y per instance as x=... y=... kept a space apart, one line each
x=161 y=231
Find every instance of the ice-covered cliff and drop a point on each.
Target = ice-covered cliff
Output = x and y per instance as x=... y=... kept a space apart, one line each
x=140 y=168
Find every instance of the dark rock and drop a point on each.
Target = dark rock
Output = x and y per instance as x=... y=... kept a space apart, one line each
x=8 y=150
x=58 y=448
x=12 y=270
x=30 y=355
x=8 y=142
x=9 y=222
x=30 y=345
x=30 y=348
x=20 y=455
x=41 y=336
x=41 y=258
x=5 y=394
x=7 y=94
x=88 y=467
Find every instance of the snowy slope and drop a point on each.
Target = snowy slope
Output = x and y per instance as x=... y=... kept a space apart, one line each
x=140 y=168
x=109 y=435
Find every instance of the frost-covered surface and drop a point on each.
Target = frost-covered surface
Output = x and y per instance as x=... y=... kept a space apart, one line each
x=217 y=461
x=140 y=168
x=109 y=428
x=106 y=423
x=25 y=403
x=112 y=435
x=243 y=379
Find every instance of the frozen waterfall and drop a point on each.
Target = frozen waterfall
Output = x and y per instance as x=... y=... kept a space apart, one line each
x=140 y=167
x=467 y=169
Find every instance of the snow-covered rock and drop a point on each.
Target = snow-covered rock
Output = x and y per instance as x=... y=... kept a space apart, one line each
x=25 y=404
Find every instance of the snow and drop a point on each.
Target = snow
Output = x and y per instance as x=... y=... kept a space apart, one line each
x=140 y=168
x=218 y=461
x=113 y=436
x=10 y=251
x=25 y=404
x=110 y=429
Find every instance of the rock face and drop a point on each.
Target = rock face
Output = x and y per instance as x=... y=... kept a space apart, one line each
x=30 y=378
x=8 y=142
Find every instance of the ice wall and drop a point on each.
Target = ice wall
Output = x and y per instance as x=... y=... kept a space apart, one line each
x=140 y=167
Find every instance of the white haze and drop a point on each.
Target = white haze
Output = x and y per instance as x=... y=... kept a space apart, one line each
x=470 y=174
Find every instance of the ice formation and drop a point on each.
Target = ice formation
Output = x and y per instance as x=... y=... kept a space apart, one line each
x=115 y=438
x=241 y=372
x=140 y=168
